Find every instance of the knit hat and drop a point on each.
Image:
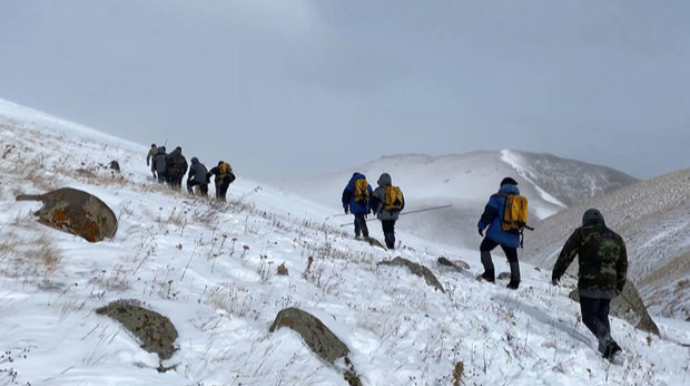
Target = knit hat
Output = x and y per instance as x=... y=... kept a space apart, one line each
x=592 y=215
x=508 y=181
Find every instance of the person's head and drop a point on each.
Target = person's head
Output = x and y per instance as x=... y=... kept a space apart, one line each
x=220 y=162
x=153 y=145
x=179 y=148
x=591 y=216
x=385 y=179
x=508 y=181
x=195 y=160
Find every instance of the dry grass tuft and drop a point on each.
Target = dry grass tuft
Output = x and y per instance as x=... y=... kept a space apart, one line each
x=282 y=270
x=458 y=373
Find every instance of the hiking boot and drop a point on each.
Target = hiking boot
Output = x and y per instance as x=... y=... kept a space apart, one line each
x=488 y=276
x=513 y=284
x=611 y=350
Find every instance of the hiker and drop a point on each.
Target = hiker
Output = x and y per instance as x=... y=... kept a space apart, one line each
x=386 y=203
x=160 y=163
x=197 y=176
x=114 y=166
x=177 y=167
x=224 y=177
x=603 y=265
x=356 y=201
x=149 y=158
x=496 y=235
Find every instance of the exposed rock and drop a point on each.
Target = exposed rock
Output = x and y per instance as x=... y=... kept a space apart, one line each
x=76 y=212
x=629 y=307
x=504 y=276
x=417 y=269
x=114 y=166
x=321 y=340
x=457 y=264
x=156 y=332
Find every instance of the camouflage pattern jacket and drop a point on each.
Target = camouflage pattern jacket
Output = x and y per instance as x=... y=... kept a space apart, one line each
x=603 y=260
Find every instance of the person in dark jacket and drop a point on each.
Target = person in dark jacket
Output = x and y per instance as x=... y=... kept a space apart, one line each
x=177 y=167
x=197 y=176
x=495 y=236
x=603 y=266
x=358 y=206
x=160 y=161
x=149 y=158
x=224 y=177
x=378 y=208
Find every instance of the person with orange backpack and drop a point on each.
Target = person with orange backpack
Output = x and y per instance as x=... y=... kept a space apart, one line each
x=224 y=177
x=387 y=202
x=356 y=201
x=506 y=215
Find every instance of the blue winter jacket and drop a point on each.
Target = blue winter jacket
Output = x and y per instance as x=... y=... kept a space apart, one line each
x=349 y=196
x=493 y=213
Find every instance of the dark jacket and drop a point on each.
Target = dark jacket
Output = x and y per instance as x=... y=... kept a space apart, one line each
x=348 y=198
x=603 y=260
x=493 y=215
x=378 y=199
x=177 y=163
x=229 y=176
x=197 y=172
x=160 y=160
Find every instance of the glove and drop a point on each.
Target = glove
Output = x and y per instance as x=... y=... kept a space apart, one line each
x=554 y=281
x=147 y=162
x=481 y=232
x=347 y=211
x=620 y=287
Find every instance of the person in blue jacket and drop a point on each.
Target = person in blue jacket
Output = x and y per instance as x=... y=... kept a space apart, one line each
x=357 y=203
x=495 y=236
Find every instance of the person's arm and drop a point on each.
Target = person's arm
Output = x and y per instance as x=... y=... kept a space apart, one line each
x=622 y=268
x=568 y=253
x=490 y=212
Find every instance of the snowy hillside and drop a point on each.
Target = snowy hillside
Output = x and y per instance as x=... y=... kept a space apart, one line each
x=212 y=269
x=652 y=216
x=466 y=181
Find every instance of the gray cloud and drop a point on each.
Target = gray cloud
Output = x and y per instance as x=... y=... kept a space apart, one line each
x=282 y=88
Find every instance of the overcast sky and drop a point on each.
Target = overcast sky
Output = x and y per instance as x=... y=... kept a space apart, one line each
x=282 y=89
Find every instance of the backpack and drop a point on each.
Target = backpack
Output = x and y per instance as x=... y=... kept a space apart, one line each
x=224 y=169
x=361 y=191
x=515 y=214
x=394 y=199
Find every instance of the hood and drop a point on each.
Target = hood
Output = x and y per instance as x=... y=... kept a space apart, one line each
x=385 y=180
x=357 y=176
x=195 y=160
x=509 y=189
x=161 y=150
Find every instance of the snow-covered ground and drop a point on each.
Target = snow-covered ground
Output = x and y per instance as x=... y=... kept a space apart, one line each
x=212 y=269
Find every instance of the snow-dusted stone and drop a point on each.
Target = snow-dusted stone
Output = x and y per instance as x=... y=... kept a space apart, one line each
x=156 y=333
x=417 y=269
x=320 y=339
x=457 y=264
x=630 y=307
x=76 y=212
x=504 y=276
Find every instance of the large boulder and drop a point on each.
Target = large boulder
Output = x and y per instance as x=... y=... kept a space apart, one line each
x=156 y=333
x=416 y=269
x=318 y=337
x=629 y=307
x=76 y=212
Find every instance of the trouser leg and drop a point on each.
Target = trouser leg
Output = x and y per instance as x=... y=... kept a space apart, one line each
x=485 y=249
x=389 y=233
x=512 y=255
x=593 y=317
x=361 y=225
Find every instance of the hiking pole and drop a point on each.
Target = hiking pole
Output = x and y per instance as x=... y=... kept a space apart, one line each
x=410 y=212
x=427 y=209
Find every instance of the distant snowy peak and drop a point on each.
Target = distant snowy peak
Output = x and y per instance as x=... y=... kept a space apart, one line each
x=565 y=182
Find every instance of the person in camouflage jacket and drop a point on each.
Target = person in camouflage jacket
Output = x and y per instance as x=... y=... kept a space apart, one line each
x=603 y=266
